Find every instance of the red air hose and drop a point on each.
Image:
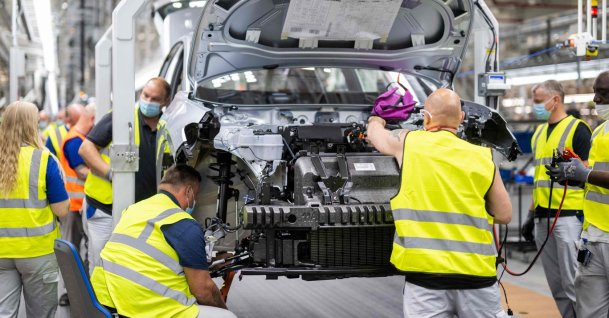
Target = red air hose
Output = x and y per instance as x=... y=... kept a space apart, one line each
x=504 y=264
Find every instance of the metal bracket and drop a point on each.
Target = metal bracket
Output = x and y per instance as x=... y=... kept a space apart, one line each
x=307 y=43
x=253 y=35
x=364 y=44
x=125 y=158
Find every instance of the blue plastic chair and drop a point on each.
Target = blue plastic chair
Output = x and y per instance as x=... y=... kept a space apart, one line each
x=83 y=302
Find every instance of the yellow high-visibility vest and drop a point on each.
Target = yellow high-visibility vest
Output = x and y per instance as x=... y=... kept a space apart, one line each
x=27 y=224
x=596 y=203
x=47 y=131
x=543 y=148
x=441 y=222
x=98 y=187
x=57 y=134
x=139 y=273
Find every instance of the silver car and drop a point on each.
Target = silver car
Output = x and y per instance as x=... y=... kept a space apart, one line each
x=272 y=110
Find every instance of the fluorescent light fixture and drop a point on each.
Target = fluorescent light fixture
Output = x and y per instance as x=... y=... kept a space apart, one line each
x=561 y=77
x=177 y=5
x=512 y=102
x=250 y=77
x=196 y=4
x=579 y=98
x=42 y=10
x=559 y=72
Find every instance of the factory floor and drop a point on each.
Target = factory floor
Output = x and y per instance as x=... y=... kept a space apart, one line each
x=255 y=296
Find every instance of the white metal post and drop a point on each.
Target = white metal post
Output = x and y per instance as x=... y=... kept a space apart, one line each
x=604 y=21
x=483 y=40
x=14 y=56
x=580 y=16
x=103 y=74
x=589 y=16
x=123 y=83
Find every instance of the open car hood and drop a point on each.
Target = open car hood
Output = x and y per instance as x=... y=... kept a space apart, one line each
x=425 y=38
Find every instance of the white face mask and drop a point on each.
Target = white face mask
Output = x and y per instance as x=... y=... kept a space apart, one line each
x=603 y=111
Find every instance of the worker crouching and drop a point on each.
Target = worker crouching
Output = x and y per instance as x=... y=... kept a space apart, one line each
x=154 y=264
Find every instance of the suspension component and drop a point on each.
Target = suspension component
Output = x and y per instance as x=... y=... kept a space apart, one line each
x=223 y=166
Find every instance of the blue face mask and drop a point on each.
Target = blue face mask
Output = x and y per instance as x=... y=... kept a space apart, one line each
x=540 y=111
x=149 y=109
x=190 y=209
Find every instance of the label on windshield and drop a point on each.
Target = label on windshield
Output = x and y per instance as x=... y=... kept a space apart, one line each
x=364 y=166
x=340 y=20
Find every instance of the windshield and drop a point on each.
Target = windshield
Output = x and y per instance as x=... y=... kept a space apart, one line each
x=305 y=85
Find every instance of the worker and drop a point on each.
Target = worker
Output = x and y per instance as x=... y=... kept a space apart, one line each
x=56 y=136
x=591 y=287
x=95 y=153
x=44 y=121
x=154 y=264
x=32 y=193
x=445 y=247
x=559 y=132
x=76 y=173
x=61 y=117
x=45 y=125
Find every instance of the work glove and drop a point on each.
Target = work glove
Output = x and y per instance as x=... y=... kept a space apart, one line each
x=572 y=170
x=528 y=227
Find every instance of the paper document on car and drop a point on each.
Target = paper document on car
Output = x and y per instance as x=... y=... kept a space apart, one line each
x=340 y=20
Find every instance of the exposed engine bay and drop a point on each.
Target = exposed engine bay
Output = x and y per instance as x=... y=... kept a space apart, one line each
x=311 y=197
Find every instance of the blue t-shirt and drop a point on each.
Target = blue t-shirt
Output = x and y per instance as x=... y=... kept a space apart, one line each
x=187 y=239
x=70 y=151
x=49 y=146
x=56 y=190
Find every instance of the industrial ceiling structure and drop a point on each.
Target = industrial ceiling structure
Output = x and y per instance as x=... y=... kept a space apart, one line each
x=529 y=29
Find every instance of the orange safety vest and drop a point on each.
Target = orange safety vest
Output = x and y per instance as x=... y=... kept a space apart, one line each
x=74 y=186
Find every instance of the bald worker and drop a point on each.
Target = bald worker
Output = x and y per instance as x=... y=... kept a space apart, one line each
x=73 y=112
x=450 y=195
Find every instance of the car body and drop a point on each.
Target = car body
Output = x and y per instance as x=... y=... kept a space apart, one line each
x=273 y=114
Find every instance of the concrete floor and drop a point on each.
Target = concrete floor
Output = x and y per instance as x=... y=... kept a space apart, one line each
x=254 y=296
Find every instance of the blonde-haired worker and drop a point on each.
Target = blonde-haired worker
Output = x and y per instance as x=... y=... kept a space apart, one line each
x=32 y=193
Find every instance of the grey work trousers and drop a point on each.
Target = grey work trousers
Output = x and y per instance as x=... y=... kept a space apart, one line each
x=559 y=258
x=38 y=277
x=592 y=283
x=99 y=229
x=420 y=302
x=71 y=228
